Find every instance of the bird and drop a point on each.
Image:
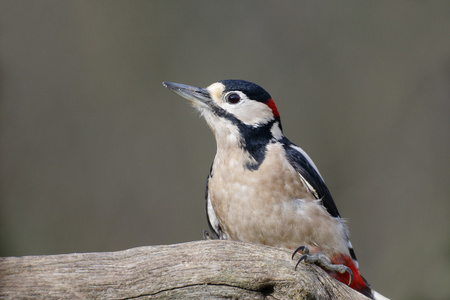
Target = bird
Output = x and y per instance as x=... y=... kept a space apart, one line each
x=264 y=189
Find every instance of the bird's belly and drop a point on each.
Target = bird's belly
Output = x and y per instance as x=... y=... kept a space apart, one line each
x=271 y=205
x=277 y=211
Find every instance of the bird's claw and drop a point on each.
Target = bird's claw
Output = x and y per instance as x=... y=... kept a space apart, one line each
x=322 y=261
x=303 y=257
x=350 y=275
x=301 y=249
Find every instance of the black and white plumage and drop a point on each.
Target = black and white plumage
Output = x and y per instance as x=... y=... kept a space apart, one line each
x=261 y=187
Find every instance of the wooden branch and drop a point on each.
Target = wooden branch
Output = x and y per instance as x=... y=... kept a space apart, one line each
x=195 y=270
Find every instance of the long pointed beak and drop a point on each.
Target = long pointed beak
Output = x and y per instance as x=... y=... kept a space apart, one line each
x=194 y=94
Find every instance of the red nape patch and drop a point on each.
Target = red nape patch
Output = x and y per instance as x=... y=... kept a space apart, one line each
x=270 y=103
x=358 y=283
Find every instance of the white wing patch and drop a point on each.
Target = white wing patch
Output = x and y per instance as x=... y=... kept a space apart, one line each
x=311 y=189
x=309 y=186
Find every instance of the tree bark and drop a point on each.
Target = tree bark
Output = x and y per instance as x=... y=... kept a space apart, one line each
x=196 y=270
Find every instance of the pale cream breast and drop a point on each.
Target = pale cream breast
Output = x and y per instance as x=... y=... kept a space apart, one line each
x=271 y=206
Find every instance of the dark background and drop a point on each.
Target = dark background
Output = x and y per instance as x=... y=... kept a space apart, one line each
x=95 y=155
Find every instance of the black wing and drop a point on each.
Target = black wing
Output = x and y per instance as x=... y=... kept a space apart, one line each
x=304 y=166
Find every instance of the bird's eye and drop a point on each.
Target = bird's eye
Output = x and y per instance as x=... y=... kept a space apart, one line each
x=233 y=98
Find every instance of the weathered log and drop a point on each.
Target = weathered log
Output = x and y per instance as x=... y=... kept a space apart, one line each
x=195 y=270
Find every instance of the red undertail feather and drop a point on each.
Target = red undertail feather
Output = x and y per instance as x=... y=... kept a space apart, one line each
x=358 y=283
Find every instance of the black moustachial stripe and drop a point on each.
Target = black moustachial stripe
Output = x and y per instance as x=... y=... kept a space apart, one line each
x=254 y=139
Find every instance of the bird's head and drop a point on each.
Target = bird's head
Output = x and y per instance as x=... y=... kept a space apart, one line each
x=230 y=102
x=237 y=111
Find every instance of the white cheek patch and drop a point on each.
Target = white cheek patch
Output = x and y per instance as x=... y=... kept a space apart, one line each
x=250 y=112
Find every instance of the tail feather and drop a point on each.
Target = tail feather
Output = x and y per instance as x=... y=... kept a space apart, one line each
x=378 y=296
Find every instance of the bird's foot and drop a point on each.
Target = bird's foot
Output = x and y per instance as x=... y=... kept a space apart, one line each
x=322 y=261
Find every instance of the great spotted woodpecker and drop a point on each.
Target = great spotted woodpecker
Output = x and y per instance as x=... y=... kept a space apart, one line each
x=264 y=189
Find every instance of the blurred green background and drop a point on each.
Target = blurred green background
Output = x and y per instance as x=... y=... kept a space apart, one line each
x=97 y=156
